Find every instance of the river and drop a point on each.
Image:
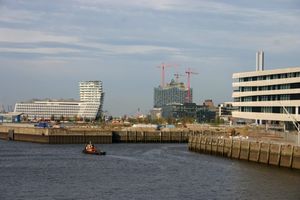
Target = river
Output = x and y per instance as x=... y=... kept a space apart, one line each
x=135 y=171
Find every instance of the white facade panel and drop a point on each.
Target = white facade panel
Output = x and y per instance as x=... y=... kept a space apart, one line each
x=265 y=72
x=288 y=103
x=268 y=92
x=90 y=106
x=266 y=82
x=265 y=116
x=271 y=95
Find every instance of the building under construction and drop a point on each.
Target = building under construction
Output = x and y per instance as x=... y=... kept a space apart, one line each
x=174 y=92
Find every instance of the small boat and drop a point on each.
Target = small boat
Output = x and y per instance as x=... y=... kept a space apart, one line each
x=91 y=149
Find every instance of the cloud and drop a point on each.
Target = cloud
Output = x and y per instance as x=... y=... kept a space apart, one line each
x=17 y=16
x=204 y=35
x=18 y=36
x=153 y=4
x=83 y=37
x=23 y=36
x=279 y=43
x=128 y=49
x=39 y=50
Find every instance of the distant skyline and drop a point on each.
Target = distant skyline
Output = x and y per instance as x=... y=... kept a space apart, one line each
x=47 y=47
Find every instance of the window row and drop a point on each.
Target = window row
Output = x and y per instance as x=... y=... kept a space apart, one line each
x=270 y=77
x=269 y=87
x=281 y=97
x=290 y=110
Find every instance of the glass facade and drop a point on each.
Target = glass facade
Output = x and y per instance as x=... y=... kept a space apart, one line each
x=172 y=93
x=268 y=91
x=89 y=106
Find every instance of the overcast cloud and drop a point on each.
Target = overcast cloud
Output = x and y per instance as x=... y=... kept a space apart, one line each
x=47 y=47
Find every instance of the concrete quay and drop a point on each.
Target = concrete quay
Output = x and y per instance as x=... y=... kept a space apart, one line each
x=278 y=154
x=81 y=135
x=55 y=135
x=150 y=136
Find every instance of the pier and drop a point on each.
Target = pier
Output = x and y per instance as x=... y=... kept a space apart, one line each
x=81 y=135
x=55 y=136
x=277 y=154
x=130 y=136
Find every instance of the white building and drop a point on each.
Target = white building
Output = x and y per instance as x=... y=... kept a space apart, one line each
x=267 y=95
x=225 y=111
x=91 y=91
x=89 y=106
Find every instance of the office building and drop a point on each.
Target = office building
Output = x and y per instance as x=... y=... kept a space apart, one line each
x=208 y=103
x=91 y=92
x=10 y=117
x=267 y=95
x=89 y=106
x=177 y=110
x=225 y=111
x=156 y=113
x=200 y=113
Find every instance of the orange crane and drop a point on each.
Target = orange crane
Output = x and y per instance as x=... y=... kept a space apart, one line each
x=189 y=72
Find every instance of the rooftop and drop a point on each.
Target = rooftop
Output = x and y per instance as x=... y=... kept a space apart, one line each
x=266 y=72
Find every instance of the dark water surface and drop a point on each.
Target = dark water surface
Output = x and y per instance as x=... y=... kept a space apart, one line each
x=135 y=171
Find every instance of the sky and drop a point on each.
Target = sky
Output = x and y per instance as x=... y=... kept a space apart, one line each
x=47 y=47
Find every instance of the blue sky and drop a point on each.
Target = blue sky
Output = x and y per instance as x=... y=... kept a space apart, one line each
x=46 y=47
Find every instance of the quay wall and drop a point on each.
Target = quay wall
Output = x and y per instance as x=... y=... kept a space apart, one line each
x=55 y=135
x=96 y=135
x=150 y=136
x=282 y=155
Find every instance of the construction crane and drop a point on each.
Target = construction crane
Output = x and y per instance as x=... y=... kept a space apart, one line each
x=189 y=72
x=163 y=66
x=177 y=75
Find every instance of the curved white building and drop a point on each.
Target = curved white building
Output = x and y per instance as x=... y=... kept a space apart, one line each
x=89 y=106
x=267 y=95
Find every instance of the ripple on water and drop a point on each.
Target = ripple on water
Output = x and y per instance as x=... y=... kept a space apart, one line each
x=135 y=171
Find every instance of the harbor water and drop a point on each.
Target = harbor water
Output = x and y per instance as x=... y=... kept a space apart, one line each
x=136 y=171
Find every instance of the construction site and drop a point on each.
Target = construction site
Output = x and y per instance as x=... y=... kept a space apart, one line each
x=113 y=134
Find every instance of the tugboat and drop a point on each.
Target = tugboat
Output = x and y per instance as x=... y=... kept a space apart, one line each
x=91 y=149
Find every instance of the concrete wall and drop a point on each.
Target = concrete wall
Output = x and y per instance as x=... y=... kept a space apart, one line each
x=84 y=135
x=55 y=136
x=150 y=136
x=282 y=155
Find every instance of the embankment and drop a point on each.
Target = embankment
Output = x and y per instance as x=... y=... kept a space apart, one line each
x=278 y=154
